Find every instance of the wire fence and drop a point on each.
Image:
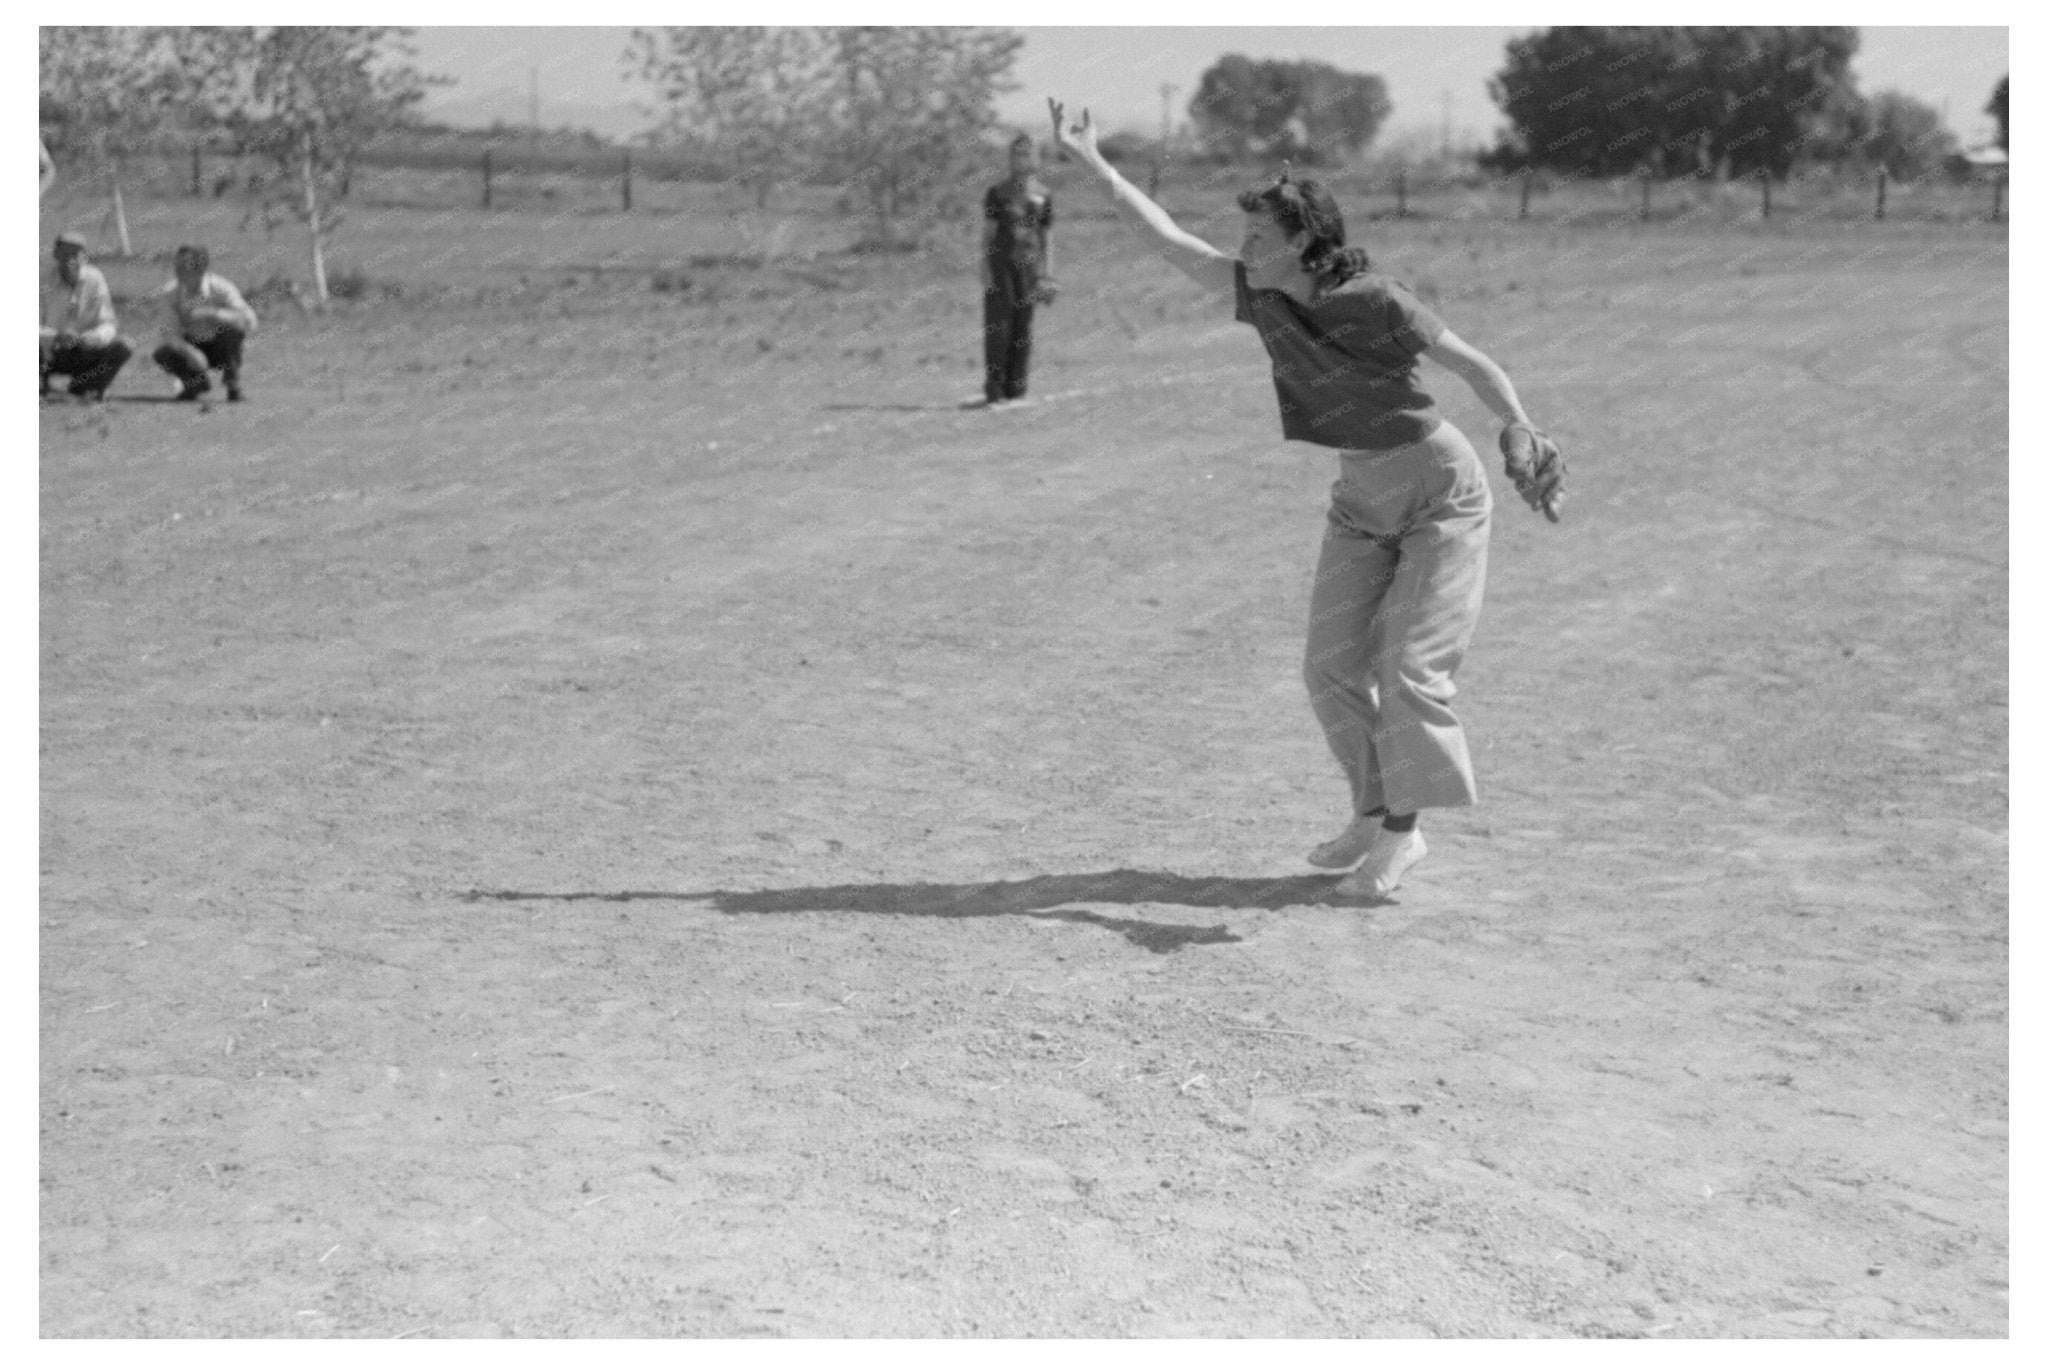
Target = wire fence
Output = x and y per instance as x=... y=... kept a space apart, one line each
x=581 y=177
x=1827 y=196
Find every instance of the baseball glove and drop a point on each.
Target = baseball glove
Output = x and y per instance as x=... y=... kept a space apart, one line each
x=1045 y=291
x=1535 y=466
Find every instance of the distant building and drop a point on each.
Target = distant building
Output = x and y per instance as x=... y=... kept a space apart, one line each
x=1986 y=160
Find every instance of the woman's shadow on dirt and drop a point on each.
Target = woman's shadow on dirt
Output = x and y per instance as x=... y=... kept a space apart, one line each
x=1053 y=897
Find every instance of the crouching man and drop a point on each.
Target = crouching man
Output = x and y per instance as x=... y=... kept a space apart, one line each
x=209 y=322
x=83 y=342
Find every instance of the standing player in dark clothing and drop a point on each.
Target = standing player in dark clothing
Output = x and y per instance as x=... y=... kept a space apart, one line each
x=1016 y=271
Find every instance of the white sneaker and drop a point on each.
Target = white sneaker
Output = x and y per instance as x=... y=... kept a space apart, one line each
x=1383 y=868
x=1347 y=848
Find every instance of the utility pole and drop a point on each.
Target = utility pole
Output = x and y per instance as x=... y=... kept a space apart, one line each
x=1166 y=94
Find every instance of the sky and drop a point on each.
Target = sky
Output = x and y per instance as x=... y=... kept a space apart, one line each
x=1431 y=73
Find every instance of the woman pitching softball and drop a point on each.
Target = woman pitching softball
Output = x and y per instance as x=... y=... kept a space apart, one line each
x=1403 y=562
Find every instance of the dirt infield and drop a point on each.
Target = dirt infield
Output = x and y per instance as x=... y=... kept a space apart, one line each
x=602 y=806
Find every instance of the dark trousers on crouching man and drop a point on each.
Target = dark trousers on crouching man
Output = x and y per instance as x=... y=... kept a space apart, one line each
x=91 y=367
x=1006 y=309
x=189 y=358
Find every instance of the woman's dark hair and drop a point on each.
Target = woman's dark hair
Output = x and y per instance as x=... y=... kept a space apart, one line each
x=1306 y=206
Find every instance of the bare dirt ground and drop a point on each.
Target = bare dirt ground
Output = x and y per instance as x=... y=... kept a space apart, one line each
x=583 y=810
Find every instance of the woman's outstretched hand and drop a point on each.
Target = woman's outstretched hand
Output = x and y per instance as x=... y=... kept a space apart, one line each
x=1078 y=138
x=1190 y=255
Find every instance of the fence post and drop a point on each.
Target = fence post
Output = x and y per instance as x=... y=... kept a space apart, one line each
x=1997 y=196
x=1882 y=176
x=626 y=182
x=1401 y=192
x=1767 y=194
x=487 y=177
x=1526 y=177
x=1643 y=213
x=196 y=191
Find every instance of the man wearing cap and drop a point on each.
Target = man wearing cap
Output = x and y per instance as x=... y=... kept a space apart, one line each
x=83 y=343
x=1016 y=271
x=209 y=322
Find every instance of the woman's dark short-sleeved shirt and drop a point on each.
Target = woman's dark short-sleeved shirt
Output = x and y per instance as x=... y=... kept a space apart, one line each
x=1344 y=366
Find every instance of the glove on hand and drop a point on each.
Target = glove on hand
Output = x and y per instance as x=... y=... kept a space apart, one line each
x=1535 y=466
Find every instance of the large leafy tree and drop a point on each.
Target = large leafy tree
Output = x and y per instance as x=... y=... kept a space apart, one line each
x=891 y=113
x=1304 y=111
x=755 y=99
x=1586 y=99
x=1770 y=88
x=1997 y=110
x=909 y=109
x=1670 y=100
x=1893 y=130
x=311 y=99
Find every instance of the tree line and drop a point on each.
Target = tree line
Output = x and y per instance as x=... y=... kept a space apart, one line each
x=899 y=117
x=1664 y=101
x=1716 y=101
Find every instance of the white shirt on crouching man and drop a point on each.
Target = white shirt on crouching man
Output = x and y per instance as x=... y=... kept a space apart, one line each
x=209 y=320
x=200 y=311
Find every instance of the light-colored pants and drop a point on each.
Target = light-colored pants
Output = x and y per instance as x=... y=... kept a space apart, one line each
x=1397 y=593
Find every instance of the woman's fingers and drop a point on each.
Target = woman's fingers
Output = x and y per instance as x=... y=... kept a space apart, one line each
x=1062 y=131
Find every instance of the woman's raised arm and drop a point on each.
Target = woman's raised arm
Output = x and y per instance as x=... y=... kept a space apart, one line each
x=1204 y=264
